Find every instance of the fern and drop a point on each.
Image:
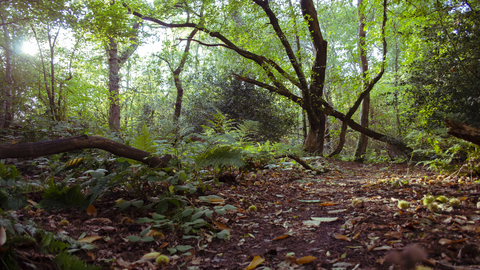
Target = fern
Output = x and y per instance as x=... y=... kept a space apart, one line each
x=12 y=188
x=247 y=130
x=9 y=172
x=58 y=196
x=144 y=141
x=221 y=156
x=63 y=259
x=99 y=187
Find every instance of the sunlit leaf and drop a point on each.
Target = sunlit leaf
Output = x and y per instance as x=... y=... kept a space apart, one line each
x=151 y=255
x=282 y=237
x=220 y=226
x=90 y=239
x=342 y=237
x=257 y=260
x=306 y=259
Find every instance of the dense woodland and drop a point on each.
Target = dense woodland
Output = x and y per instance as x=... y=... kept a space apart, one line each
x=174 y=120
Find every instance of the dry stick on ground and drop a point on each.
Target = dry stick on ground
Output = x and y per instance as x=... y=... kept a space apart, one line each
x=301 y=162
x=44 y=148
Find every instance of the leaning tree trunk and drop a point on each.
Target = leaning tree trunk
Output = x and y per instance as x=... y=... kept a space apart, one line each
x=176 y=77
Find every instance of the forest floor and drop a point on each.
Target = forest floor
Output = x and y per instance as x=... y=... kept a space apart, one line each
x=346 y=218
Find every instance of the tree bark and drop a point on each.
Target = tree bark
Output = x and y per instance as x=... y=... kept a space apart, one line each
x=113 y=85
x=115 y=62
x=7 y=102
x=463 y=131
x=364 y=115
x=313 y=99
x=81 y=142
x=176 y=77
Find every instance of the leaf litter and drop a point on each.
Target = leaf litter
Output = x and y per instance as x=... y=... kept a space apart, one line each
x=347 y=218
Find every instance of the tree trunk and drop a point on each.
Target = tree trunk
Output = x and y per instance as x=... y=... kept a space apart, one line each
x=44 y=148
x=113 y=85
x=364 y=115
x=313 y=97
x=316 y=135
x=7 y=102
x=114 y=64
x=176 y=77
x=368 y=86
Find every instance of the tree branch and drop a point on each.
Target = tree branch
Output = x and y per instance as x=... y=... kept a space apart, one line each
x=130 y=49
x=368 y=87
x=283 y=39
x=282 y=92
x=228 y=44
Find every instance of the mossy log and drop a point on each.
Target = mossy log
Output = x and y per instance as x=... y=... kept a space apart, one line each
x=58 y=146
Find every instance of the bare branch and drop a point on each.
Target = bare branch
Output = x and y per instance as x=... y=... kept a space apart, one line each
x=280 y=91
x=260 y=60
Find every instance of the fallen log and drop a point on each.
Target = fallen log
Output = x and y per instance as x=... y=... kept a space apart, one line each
x=58 y=146
x=463 y=131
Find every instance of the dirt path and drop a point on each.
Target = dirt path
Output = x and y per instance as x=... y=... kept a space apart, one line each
x=348 y=218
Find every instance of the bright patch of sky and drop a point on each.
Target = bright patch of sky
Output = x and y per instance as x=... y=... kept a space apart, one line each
x=29 y=47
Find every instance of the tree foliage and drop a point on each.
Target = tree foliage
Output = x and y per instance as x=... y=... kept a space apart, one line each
x=445 y=78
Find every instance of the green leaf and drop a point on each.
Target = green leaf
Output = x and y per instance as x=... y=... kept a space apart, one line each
x=124 y=205
x=209 y=213
x=158 y=216
x=182 y=176
x=229 y=207
x=224 y=234
x=187 y=212
x=147 y=239
x=133 y=238
x=183 y=248
x=198 y=214
x=162 y=207
x=138 y=203
x=145 y=231
x=220 y=211
x=145 y=220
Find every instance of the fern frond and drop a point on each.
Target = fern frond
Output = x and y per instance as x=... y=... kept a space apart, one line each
x=248 y=130
x=144 y=141
x=220 y=157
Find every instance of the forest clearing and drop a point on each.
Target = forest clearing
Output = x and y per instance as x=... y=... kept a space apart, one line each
x=246 y=134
